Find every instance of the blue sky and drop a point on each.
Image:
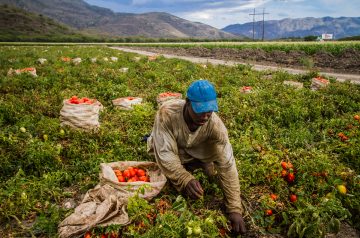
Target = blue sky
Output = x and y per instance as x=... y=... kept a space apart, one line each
x=225 y=12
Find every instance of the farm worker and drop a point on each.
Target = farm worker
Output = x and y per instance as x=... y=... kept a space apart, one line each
x=188 y=134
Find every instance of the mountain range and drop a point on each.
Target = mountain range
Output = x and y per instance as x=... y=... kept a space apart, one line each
x=82 y=16
x=79 y=16
x=340 y=27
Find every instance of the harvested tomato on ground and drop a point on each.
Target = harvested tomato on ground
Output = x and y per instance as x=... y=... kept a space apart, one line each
x=268 y=212
x=273 y=196
x=293 y=198
x=342 y=136
x=286 y=165
x=290 y=177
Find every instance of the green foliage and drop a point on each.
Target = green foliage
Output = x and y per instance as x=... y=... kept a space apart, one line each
x=274 y=123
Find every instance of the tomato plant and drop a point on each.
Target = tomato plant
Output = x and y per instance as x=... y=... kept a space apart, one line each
x=285 y=142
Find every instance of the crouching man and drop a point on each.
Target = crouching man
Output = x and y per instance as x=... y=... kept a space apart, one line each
x=187 y=134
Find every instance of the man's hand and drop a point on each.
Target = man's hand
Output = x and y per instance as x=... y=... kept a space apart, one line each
x=237 y=223
x=194 y=190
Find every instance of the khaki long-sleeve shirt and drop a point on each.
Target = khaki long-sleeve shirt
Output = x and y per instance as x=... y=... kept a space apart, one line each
x=173 y=145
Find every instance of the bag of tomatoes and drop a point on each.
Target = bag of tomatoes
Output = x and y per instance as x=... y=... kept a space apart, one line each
x=167 y=96
x=80 y=113
x=130 y=176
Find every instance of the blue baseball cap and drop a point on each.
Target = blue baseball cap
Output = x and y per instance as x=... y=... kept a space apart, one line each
x=202 y=96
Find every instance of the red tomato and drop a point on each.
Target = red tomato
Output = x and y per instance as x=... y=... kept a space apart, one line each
x=268 y=212
x=273 y=196
x=141 y=173
x=126 y=173
x=87 y=234
x=290 y=177
x=286 y=165
x=132 y=172
x=293 y=198
x=143 y=178
x=357 y=117
x=121 y=179
x=283 y=173
x=117 y=172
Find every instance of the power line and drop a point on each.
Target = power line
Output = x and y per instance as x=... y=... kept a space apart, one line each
x=263 y=31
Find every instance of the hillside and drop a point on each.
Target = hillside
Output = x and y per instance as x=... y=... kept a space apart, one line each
x=300 y=27
x=17 y=24
x=81 y=15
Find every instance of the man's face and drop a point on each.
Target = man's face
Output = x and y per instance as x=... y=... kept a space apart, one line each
x=199 y=119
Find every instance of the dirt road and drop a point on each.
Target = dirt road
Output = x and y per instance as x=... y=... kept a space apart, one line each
x=354 y=78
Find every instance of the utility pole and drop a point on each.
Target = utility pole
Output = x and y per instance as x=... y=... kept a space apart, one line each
x=263 y=22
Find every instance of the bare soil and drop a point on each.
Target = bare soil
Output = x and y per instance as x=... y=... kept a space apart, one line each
x=347 y=62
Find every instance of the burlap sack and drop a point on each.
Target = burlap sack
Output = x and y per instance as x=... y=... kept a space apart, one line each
x=319 y=83
x=76 y=61
x=84 y=116
x=41 y=60
x=246 y=89
x=151 y=189
x=101 y=206
x=163 y=97
x=126 y=103
x=30 y=70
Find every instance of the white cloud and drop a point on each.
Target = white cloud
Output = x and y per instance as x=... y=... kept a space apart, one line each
x=220 y=13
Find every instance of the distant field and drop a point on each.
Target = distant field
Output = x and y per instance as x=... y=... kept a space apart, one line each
x=310 y=48
x=333 y=47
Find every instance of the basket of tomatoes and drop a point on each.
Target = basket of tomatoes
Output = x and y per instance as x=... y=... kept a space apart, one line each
x=130 y=176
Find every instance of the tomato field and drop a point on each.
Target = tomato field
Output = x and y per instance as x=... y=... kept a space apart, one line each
x=297 y=150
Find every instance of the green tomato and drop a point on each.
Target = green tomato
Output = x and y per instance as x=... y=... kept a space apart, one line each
x=209 y=220
x=45 y=137
x=22 y=129
x=197 y=230
x=62 y=132
x=24 y=196
x=189 y=231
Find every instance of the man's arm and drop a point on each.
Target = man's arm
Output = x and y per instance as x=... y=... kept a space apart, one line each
x=229 y=181
x=226 y=168
x=166 y=152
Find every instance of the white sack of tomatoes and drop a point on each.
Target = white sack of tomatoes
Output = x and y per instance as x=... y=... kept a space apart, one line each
x=29 y=70
x=80 y=113
x=155 y=181
x=164 y=97
x=126 y=103
x=319 y=83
